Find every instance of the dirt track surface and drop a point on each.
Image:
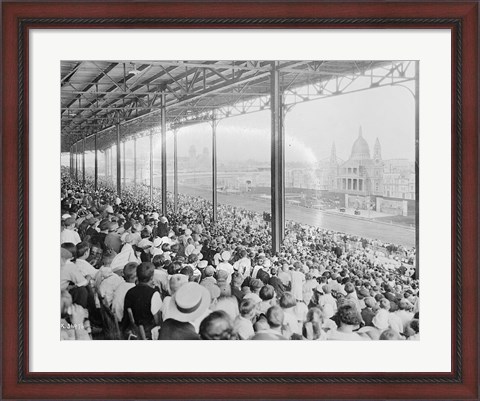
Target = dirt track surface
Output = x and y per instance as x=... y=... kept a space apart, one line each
x=367 y=228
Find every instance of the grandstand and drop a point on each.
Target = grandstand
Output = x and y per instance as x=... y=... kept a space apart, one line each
x=108 y=106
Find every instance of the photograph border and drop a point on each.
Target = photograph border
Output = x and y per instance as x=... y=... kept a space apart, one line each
x=461 y=18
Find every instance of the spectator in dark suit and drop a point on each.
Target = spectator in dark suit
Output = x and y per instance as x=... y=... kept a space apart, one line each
x=144 y=300
x=276 y=283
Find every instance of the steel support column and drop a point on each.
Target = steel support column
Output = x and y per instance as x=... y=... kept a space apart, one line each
x=277 y=146
x=83 y=161
x=284 y=114
x=175 y=172
x=119 y=166
x=109 y=160
x=124 y=170
x=214 y=167
x=163 y=134
x=105 y=154
x=135 y=161
x=417 y=163
x=95 y=178
x=76 y=161
x=151 y=165
x=71 y=161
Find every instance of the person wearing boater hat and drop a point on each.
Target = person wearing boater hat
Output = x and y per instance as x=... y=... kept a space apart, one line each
x=225 y=266
x=188 y=304
x=108 y=210
x=156 y=248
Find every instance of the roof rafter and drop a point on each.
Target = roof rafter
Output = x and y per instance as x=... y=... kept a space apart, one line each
x=96 y=95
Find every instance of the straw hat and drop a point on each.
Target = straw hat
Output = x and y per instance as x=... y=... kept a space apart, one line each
x=189 y=302
x=226 y=256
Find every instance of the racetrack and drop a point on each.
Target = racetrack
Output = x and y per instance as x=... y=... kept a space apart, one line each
x=385 y=232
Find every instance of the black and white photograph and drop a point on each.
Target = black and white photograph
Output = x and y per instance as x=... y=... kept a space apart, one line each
x=239 y=200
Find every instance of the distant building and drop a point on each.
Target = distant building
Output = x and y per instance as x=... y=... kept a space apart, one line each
x=360 y=174
x=399 y=179
x=307 y=178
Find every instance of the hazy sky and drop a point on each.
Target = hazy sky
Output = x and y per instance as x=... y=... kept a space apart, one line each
x=311 y=127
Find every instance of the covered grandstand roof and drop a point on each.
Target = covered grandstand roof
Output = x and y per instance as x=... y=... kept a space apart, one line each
x=96 y=95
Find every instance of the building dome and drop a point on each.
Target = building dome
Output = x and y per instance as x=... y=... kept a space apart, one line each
x=360 y=149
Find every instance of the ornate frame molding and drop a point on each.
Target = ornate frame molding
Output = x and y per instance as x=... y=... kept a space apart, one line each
x=218 y=378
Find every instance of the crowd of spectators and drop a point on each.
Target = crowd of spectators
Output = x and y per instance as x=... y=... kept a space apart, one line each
x=129 y=272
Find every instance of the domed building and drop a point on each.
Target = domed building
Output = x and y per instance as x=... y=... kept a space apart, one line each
x=361 y=174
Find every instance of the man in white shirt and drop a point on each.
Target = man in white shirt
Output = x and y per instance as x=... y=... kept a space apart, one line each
x=106 y=281
x=243 y=265
x=298 y=279
x=225 y=266
x=284 y=274
x=405 y=313
x=243 y=323
x=69 y=273
x=83 y=252
x=259 y=265
x=394 y=320
x=130 y=277
x=69 y=234
x=327 y=301
x=160 y=275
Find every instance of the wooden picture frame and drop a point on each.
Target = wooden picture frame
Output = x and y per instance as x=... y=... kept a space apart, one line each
x=460 y=17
